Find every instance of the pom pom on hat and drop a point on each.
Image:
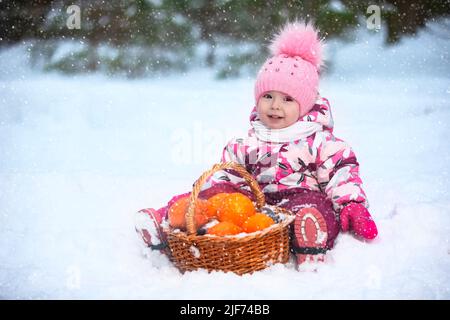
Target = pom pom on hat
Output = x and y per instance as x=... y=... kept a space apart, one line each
x=298 y=39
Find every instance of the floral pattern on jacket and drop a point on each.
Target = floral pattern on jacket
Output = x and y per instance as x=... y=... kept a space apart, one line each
x=319 y=162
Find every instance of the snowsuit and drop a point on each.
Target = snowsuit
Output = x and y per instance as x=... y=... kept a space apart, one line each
x=317 y=169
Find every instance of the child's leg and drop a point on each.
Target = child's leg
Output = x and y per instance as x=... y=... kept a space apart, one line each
x=315 y=227
x=148 y=226
x=309 y=236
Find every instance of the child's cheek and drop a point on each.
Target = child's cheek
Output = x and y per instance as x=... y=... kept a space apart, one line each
x=258 y=106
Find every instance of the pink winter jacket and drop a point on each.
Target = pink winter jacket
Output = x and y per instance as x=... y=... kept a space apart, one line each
x=317 y=161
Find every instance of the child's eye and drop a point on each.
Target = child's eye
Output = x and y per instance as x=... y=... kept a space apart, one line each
x=267 y=96
x=288 y=99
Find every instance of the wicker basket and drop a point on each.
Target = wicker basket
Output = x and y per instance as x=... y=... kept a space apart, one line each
x=239 y=254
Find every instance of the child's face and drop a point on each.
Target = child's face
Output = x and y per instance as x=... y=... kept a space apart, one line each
x=277 y=110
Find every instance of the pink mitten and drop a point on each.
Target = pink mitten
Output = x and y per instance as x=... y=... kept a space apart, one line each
x=355 y=217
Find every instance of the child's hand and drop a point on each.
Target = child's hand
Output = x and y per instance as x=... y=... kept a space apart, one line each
x=355 y=217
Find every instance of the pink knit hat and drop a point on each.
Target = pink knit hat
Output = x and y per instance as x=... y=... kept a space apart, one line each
x=294 y=65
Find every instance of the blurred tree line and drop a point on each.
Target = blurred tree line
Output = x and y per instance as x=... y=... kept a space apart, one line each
x=141 y=37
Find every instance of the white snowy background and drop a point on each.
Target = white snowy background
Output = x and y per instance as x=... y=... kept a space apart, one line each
x=78 y=155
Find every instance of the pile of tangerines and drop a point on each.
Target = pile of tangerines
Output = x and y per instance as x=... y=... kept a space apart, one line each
x=234 y=212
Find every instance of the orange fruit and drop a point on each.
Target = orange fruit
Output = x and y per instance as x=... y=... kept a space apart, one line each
x=201 y=207
x=214 y=204
x=257 y=222
x=236 y=208
x=177 y=213
x=224 y=228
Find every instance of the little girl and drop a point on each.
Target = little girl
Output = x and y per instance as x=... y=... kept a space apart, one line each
x=292 y=153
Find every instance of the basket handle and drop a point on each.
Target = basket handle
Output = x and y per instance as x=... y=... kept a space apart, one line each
x=254 y=186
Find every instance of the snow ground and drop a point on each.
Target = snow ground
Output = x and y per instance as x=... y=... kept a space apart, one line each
x=78 y=155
